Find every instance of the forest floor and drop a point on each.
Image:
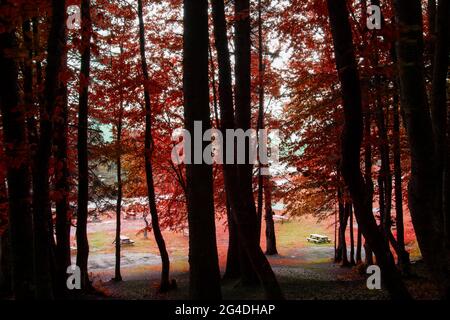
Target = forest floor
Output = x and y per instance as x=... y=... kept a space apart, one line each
x=305 y=271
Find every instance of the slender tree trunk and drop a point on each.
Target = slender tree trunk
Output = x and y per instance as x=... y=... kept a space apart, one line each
x=431 y=22
x=63 y=219
x=44 y=240
x=117 y=274
x=260 y=115
x=335 y=236
x=214 y=86
x=17 y=171
x=259 y=207
x=446 y=191
x=359 y=247
x=37 y=52
x=227 y=121
x=83 y=160
x=338 y=255
x=367 y=163
x=351 y=144
x=243 y=121
x=343 y=228
x=243 y=217
x=203 y=257
x=264 y=181
x=5 y=254
x=233 y=268
x=403 y=259
x=385 y=176
x=352 y=238
x=28 y=88
x=165 y=283
x=5 y=265
x=271 y=241
x=439 y=97
x=424 y=186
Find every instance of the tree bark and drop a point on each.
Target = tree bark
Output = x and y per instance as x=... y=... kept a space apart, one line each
x=260 y=116
x=44 y=239
x=5 y=265
x=385 y=176
x=165 y=284
x=117 y=274
x=83 y=160
x=264 y=183
x=203 y=257
x=63 y=218
x=244 y=218
x=343 y=228
x=352 y=238
x=351 y=144
x=233 y=267
x=17 y=171
x=367 y=164
x=338 y=256
x=425 y=177
x=271 y=241
x=439 y=97
x=403 y=259
x=243 y=121
x=359 y=247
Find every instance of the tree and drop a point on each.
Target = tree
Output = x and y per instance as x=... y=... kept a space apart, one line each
x=351 y=144
x=264 y=183
x=242 y=120
x=82 y=146
x=43 y=224
x=149 y=147
x=425 y=191
x=17 y=168
x=204 y=268
x=243 y=216
x=119 y=125
x=62 y=183
x=233 y=267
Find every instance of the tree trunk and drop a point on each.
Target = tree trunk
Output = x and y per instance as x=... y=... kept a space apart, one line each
x=403 y=259
x=352 y=238
x=28 y=92
x=439 y=97
x=271 y=241
x=227 y=121
x=117 y=275
x=446 y=191
x=17 y=172
x=343 y=228
x=5 y=254
x=63 y=219
x=341 y=212
x=243 y=217
x=260 y=117
x=83 y=161
x=425 y=178
x=203 y=258
x=165 y=284
x=233 y=267
x=44 y=239
x=431 y=22
x=5 y=265
x=359 y=247
x=351 y=144
x=367 y=163
x=385 y=176
x=243 y=121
